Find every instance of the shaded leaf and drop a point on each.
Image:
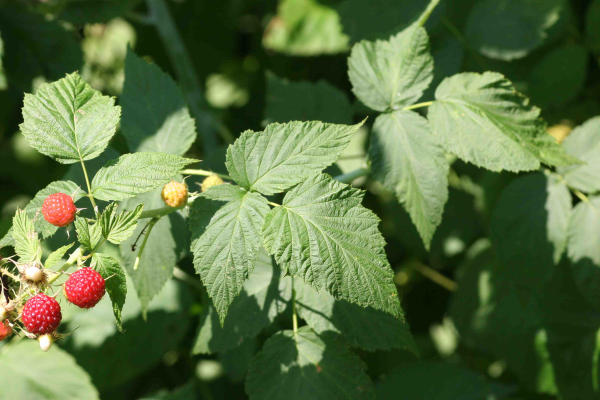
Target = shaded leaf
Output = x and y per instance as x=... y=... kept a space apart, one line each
x=118 y=227
x=306 y=366
x=155 y=116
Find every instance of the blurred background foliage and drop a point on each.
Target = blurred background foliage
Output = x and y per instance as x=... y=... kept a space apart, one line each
x=259 y=61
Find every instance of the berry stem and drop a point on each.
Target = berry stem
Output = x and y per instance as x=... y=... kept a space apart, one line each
x=203 y=172
x=151 y=224
x=418 y=105
x=294 y=316
x=352 y=175
x=89 y=188
x=5 y=272
x=72 y=260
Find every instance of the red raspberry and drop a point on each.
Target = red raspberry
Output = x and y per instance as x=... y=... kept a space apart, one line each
x=59 y=209
x=5 y=330
x=41 y=314
x=85 y=288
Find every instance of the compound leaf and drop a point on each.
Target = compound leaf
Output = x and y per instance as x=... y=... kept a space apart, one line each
x=27 y=243
x=388 y=75
x=69 y=121
x=407 y=160
x=89 y=233
x=155 y=116
x=483 y=120
x=133 y=174
x=323 y=234
x=584 y=143
x=284 y=154
x=306 y=366
x=116 y=282
x=118 y=227
x=225 y=222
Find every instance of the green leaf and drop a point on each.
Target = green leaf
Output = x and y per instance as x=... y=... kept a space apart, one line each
x=533 y=212
x=155 y=116
x=306 y=101
x=511 y=29
x=366 y=328
x=118 y=227
x=81 y=12
x=584 y=143
x=305 y=28
x=225 y=222
x=484 y=121
x=380 y=18
x=284 y=154
x=89 y=232
x=28 y=373
x=166 y=246
x=306 y=366
x=583 y=248
x=406 y=159
x=491 y=318
x=559 y=78
x=435 y=380
x=323 y=234
x=592 y=25
x=38 y=47
x=96 y=339
x=116 y=283
x=34 y=208
x=56 y=256
x=133 y=174
x=389 y=75
x=261 y=300
x=68 y=120
x=27 y=244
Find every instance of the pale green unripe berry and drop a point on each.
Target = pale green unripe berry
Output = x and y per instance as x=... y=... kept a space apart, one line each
x=45 y=342
x=34 y=274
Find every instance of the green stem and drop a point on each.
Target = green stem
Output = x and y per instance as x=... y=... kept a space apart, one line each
x=72 y=260
x=89 y=188
x=463 y=41
x=182 y=62
x=294 y=317
x=151 y=224
x=425 y=16
x=6 y=272
x=350 y=176
x=418 y=105
x=274 y=204
x=203 y=172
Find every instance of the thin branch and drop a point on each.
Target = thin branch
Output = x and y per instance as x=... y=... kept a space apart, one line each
x=418 y=105
x=350 y=176
x=435 y=276
x=203 y=172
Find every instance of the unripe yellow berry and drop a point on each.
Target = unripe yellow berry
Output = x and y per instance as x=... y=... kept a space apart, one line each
x=213 y=180
x=175 y=194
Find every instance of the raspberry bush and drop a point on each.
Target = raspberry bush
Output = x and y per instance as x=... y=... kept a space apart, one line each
x=353 y=200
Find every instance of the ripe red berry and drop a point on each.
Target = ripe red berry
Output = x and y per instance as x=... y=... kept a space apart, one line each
x=59 y=209
x=41 y=314
x=5 y=330
x=85 y=288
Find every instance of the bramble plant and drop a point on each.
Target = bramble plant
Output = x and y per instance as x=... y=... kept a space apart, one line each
x=287 y=248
